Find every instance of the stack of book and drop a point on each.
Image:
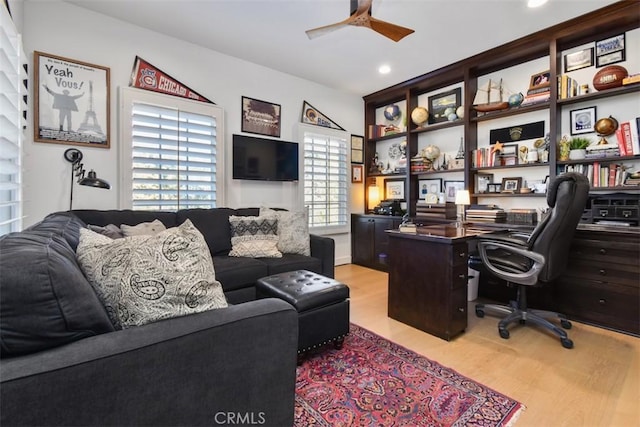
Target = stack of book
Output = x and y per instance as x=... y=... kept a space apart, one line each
x=486 y=215
x=567 y=87
x=535 y=96
x=425 y=210
x=417 y=164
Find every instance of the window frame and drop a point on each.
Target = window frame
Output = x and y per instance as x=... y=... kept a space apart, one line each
x=128 y=96
x=301 y=131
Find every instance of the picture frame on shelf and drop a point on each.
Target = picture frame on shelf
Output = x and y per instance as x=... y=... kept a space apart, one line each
x=482 y=181
x=540 y=80
x=357 y=174
x=72 y=102
x=577 y=60
x=439 y=103
x=357 y=149
x=494 y=187
x=509 y=155
x=451 y=188
x=582 y=120
x=429 y=186
x=260 y=117
x=511 y=185
x=394 y=189
x=610 y=50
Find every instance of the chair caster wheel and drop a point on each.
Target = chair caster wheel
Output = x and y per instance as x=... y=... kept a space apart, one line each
x=522 y=322
x=503 y=333
x=566 y=342
x=479 y=312
x=565 y=323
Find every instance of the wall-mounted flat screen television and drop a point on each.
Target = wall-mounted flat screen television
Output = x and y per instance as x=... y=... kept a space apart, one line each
x=264 y=159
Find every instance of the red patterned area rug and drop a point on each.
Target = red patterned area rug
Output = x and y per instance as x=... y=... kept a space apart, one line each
x=374 y=382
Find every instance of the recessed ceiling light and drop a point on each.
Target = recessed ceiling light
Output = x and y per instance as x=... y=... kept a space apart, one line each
x=384 y=69
x=536 y=3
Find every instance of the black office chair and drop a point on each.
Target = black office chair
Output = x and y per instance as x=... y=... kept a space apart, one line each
x=542 y=256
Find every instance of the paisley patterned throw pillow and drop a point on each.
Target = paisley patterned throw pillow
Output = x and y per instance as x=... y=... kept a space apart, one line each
x=142 y=279
x=254 y=237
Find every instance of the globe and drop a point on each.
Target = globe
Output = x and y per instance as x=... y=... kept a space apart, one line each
x=431 y=152
x=516 y=99
x=420 y=116
x=392 y=112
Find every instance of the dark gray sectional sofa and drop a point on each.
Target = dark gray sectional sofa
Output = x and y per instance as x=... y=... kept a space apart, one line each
x=64 y=364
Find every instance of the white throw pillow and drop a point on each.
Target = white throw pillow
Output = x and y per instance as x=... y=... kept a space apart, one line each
x=254 y=237
x=293 y=231
x=142 y=279
x=143 y=229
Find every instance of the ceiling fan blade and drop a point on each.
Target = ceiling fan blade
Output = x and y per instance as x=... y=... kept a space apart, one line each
x=321 y=31
x=392 y=31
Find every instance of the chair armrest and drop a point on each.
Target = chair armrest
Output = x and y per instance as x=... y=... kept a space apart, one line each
x=240 y=359
x=515 y=239
x=324 y=248
x=529 y=277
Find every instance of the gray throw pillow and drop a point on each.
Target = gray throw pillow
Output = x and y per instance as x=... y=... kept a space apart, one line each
x=293 y=231
x=144 y=228
x=142 y=279
x=111 y=230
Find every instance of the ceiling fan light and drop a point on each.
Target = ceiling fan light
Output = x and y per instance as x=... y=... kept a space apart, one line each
x=384 y=69
x=536 y=3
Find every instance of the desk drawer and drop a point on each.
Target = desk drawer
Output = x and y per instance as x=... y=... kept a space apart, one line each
x=619 y=250
x=459 y=276
x=604 y=304
x=622 y=274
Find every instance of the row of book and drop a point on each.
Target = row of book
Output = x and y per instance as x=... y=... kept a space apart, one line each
x=537 y=95
x=609 y=175
x=483 y=157
x=567 y=87
x=628 y=137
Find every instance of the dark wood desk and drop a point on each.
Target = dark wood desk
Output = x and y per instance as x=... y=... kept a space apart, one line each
x=428 y=278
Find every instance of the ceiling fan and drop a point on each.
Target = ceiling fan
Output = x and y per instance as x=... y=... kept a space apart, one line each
x=361 y=17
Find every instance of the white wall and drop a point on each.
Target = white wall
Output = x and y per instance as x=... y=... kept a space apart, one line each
x=66 y=30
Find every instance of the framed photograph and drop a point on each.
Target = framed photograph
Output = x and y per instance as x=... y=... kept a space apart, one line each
x=451 y=188
x=508 y=156
x=357 y=149
x=357 y=173
x=577 y=60
x=511 y=185
x=582 y=120
x=493 y=188
x=71 y=101
x=482 y=181
x=439 y=103
x=429 y=186
x=260 y=117
x=540 y=80
x=610 y=58
x=394 y=189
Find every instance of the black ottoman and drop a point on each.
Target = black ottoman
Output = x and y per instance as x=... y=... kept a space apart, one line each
x=322 y=304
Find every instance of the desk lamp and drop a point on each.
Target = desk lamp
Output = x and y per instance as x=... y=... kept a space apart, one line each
x=462 y=200
x=74 y=156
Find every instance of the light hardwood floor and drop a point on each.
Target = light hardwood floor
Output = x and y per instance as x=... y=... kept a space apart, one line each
x=597 y=383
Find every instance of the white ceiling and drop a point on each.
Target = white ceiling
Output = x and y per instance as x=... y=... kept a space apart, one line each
x=272 y=32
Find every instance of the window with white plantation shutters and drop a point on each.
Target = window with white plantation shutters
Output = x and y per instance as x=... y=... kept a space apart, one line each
x=173 y=152
x=325 y=178
x=13 y=77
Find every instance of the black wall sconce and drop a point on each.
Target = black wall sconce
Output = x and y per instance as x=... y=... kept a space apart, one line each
x=74 y=156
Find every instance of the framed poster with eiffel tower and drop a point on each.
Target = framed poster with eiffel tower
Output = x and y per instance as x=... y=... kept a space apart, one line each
x=71 y=101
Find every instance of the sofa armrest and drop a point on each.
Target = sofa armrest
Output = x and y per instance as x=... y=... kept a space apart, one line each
x=194 y=370
x=324 y=248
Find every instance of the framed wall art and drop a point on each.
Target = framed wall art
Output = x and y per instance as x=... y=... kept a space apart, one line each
x=357 y=174
x=482 y=181
x=260 y=117
x=451 y=188
x=582 y=120
x=577 y=60
x=439 y=103
x=357 y=149
x=71 y=101
x=429 y=186
x=611 y=50
x=394 y=189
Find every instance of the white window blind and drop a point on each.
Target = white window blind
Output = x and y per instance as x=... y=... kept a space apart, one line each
x=325 y=179
x=13 y=77
x=174 y=152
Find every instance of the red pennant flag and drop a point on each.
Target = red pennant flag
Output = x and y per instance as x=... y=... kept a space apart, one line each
x=146 y=76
